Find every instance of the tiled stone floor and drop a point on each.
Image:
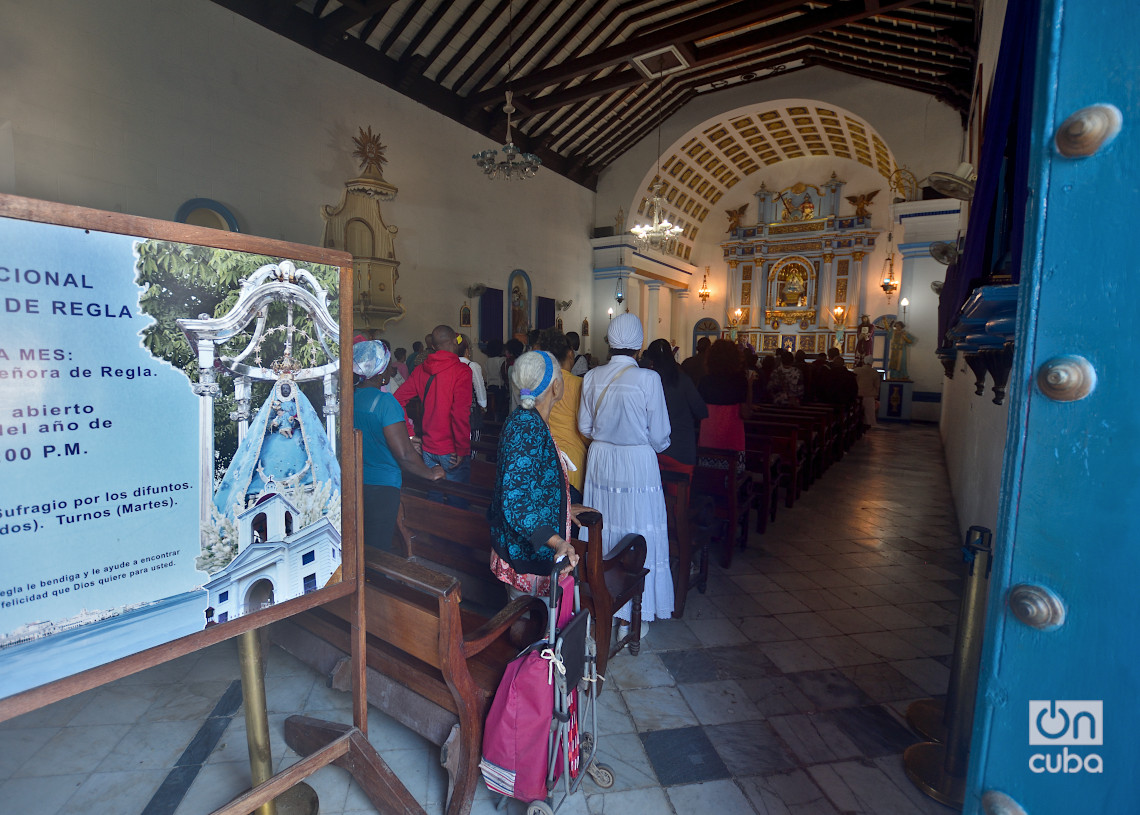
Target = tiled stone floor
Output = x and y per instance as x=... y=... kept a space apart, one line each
x=781 y=692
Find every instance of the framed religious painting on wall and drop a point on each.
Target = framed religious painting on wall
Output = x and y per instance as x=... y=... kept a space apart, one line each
x=465 y=316
x=807 y=342
x=849 y=344
x=770 y=342
x=788 y=342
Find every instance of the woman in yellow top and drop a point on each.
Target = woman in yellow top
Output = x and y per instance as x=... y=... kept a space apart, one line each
x=564 y=415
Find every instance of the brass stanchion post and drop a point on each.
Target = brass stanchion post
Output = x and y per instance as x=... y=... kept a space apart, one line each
x=298 y=800
x=939 y=770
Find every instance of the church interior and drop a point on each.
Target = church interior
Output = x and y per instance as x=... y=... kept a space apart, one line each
x=816 y=162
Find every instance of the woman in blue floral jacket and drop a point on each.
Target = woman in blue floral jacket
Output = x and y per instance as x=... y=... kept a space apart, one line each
x=531 y=511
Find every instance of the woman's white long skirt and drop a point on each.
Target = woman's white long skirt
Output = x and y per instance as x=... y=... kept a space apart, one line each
x=623 y=482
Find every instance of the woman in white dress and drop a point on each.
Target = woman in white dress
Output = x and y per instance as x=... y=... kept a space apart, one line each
x=623 y=411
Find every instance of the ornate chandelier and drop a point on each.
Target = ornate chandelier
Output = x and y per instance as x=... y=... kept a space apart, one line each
x=661 y=233
x=514 y=163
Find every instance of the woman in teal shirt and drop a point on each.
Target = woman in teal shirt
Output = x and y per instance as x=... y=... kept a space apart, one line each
x=386 y=446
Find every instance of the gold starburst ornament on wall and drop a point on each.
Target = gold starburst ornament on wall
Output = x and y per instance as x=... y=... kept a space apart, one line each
x=370 y=152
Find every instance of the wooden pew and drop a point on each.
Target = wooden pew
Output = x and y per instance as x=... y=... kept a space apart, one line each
x=815 y=433
x=719 y=476
x=689 y=533
x=768 y=475
x=609 y=582
x=765 y=435
x=431 y=665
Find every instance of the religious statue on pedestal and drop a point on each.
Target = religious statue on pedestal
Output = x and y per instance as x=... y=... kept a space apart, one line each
x=864 y=339
x=900 y=340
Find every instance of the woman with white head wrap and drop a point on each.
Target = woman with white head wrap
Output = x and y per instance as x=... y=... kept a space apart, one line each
x=386 y=446
x=623 y=411
x=531 y=511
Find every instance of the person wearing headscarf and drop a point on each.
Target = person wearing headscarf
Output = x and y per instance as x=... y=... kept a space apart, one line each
x=564 y=415
x=623 y=412
x=531 y=511
x=386 y=447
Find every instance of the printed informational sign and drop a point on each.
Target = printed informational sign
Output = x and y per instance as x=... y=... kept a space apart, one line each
x=166 y=413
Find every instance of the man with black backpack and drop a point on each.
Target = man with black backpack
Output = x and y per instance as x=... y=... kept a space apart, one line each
x=444 y=385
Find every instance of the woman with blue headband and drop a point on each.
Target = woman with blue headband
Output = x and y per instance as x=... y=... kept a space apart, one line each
x=531 y=511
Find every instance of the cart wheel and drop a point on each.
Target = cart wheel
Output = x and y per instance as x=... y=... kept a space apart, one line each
x=539 y=808
x=602 y=775
x=586 y=746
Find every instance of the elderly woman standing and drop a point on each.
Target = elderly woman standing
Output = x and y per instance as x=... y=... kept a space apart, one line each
x=531 y=511
x=386 y=447
x=623 y=411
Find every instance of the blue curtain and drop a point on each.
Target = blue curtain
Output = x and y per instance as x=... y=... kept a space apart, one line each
x=543 y=312
x=490 y=317
x=997 y=214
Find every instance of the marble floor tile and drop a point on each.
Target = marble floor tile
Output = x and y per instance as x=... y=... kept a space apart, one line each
x=861 y=789
x=891 y=618
x=858 y=596
x=625 y=672
x=765 y=629
x=668 y=635
x=689 y=666
x=831 y=578
x=190 y=701
x=930 y=641
x=683 y=756
x=120 y=791
x=625 y=755
x=717 y=632
x=820 y=600
x=814 y=738
x=793 y=581
x=633 y=801
x=737 y=605
x=613 y=714
x=722 y=797
x=116 y=704
x=930 y=613
x=794 y=656
x=887 y=644
x=776 y=696
x=873 y=729
x=829 y=689
x=73 y=750
x=701 y=607
x=850 y=621
x=33 y=794
x=719 y=702
x=881 y=682
x=790 y=793
x=658 y=709
x=751 y=748
x=933 y=677
x=780 y=602
x=808 y=624
x=149 y=746
x=16 y=744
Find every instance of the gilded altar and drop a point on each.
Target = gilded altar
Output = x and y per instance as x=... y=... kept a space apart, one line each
x=801 y=265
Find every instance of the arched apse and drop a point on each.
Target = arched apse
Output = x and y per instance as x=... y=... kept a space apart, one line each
x=718 y=165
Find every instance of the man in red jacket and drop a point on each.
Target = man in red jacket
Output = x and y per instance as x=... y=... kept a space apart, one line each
x=443 y=382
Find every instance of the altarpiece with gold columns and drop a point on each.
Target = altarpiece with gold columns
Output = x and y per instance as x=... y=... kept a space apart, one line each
x=792 y=267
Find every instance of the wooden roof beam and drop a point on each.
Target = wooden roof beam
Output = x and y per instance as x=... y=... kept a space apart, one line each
x=725 y=18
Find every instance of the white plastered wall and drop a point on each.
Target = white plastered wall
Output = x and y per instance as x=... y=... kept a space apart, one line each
x=138 y=106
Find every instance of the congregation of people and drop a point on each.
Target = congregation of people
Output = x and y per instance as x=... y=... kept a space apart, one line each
x=573 y=434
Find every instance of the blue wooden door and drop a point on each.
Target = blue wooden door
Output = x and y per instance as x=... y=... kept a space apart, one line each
x=1057 y=728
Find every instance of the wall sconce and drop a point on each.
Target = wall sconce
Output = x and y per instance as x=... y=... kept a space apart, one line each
x=703 y=292
x=611 y=313
x=735 y=318
x=839 y=314
x=904 y=303
x=619 y=291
